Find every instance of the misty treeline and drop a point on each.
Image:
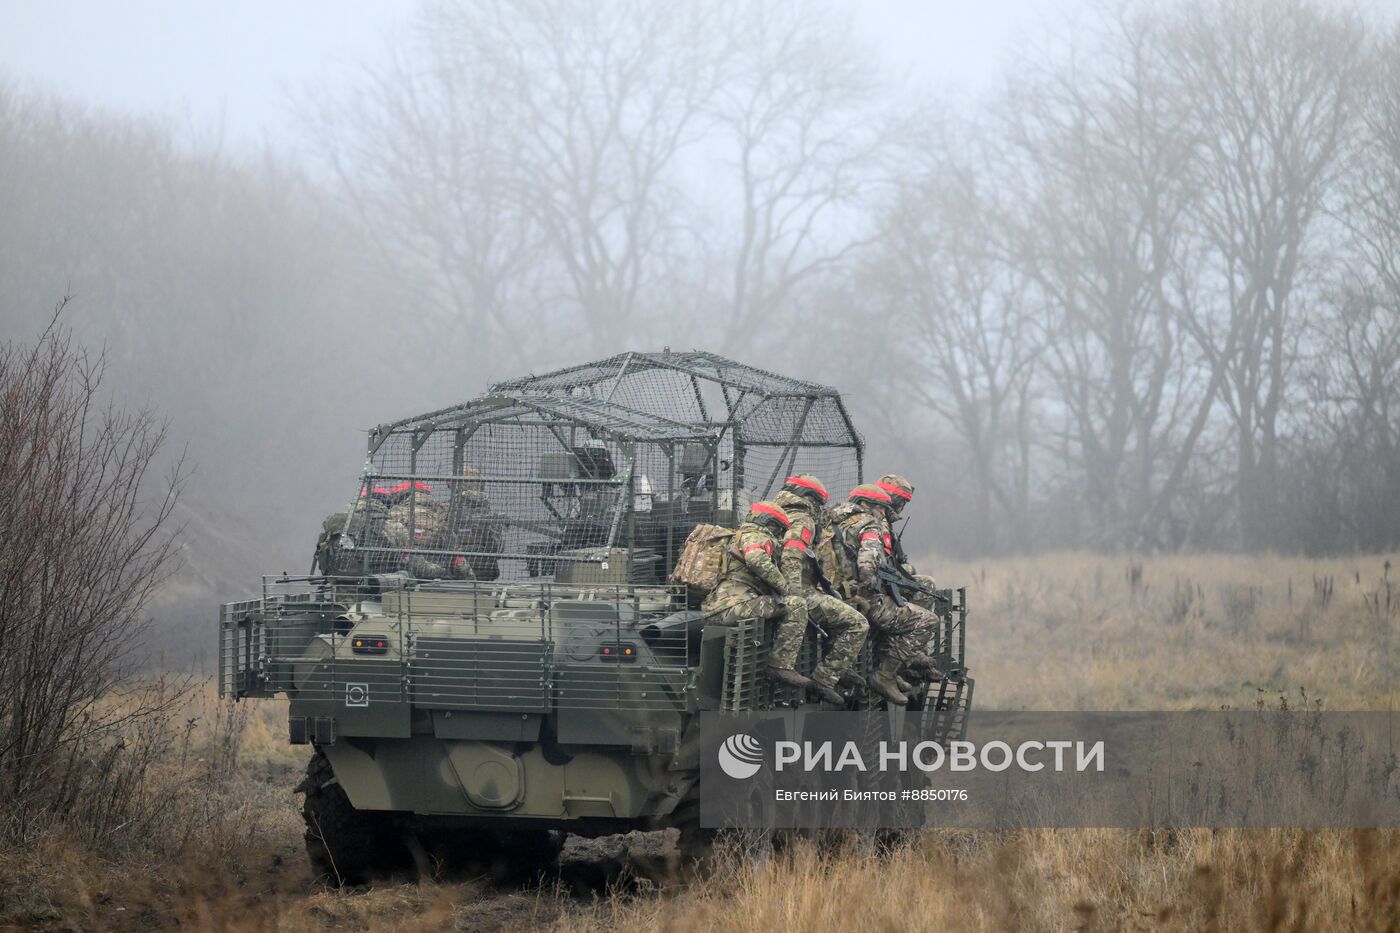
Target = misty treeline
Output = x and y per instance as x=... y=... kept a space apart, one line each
x=1144 y=294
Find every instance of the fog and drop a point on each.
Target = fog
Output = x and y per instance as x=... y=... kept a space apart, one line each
x=1123 y=277
x=227 y=71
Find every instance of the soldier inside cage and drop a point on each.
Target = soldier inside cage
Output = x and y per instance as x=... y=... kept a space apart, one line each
x=455 y=539
x=472 y=528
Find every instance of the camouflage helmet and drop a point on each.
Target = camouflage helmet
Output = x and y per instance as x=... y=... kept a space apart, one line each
x=770 y=515
x=869 y=494
x=420 y=502
x=899 y=488
x=807 y=486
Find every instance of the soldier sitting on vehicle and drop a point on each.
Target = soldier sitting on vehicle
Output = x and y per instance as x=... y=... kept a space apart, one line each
x=901 y=492
x=803 y=498
x=902 y=630
x=752 y=586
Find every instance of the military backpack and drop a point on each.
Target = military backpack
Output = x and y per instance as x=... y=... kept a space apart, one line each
x=836 y=550
x=704 y=559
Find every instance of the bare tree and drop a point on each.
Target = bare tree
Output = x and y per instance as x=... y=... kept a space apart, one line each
x=1274 y=85
x=609 y=96
x=966 y=349
x=430 y=154
x=84 y=544
x=528 y=154
x=1096 y=217
x=1354 y=397
x=800 y=115
x=584 y=169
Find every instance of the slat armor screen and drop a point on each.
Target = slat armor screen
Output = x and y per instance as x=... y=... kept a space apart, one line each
x=504 y=647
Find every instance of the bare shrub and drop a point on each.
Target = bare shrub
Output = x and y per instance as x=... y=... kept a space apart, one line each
x=1382 y=602
x=84 y=543
x=1240 y=604
x=1186 y=601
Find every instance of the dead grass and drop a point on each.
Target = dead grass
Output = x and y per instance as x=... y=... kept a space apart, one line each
x=1064 y=631
x=216 y=818
x=1046 y=880
x=1075 y=631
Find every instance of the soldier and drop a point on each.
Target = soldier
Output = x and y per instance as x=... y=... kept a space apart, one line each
x=901 y=492
x=470 y=526
x=414 y=522
x=902 y=631
x=752 y=586
x=413 y=508
x=360 y=521
x=803 y=498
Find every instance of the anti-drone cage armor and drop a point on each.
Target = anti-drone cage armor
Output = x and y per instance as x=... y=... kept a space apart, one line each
x=591 y=473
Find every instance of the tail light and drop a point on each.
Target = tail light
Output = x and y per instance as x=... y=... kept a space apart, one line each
x=369 y=644
x=621 y=651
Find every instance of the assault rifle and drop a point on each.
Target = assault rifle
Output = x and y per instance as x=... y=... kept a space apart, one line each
x=896 y=580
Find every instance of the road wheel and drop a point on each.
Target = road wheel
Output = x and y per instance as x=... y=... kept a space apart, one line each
x=699 y=847
x=695 y=844
x=347 y=846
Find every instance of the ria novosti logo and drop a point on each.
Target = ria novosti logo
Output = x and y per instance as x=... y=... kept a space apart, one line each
x=740 y=756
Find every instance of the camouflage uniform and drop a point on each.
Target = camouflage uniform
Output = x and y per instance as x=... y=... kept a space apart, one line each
x=752 y=586
x=920 y=599
x=361 y=520
x=470 y=526
x=843 y=623
x=417 y=522
x=902 y=632
x=901 y=491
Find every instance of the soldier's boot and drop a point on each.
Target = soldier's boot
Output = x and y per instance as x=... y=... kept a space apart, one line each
x=850 y=680
x=784 y=675
x=884 y=683
x=912 y=691
x=922 y=666
x=824 y=685
x=912 y=676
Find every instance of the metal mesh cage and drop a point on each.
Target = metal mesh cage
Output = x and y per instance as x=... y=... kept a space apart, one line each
x=593 y=473
x=769 y=425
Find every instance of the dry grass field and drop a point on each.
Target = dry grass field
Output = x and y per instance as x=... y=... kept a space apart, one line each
x=217 y=844
x=1073 y=631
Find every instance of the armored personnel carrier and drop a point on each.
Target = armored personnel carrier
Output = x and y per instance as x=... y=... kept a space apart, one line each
x=488 y=651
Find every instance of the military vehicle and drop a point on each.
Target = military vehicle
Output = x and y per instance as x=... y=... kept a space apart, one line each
x=488 y=651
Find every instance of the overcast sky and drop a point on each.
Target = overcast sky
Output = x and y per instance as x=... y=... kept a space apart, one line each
x=230 y=66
